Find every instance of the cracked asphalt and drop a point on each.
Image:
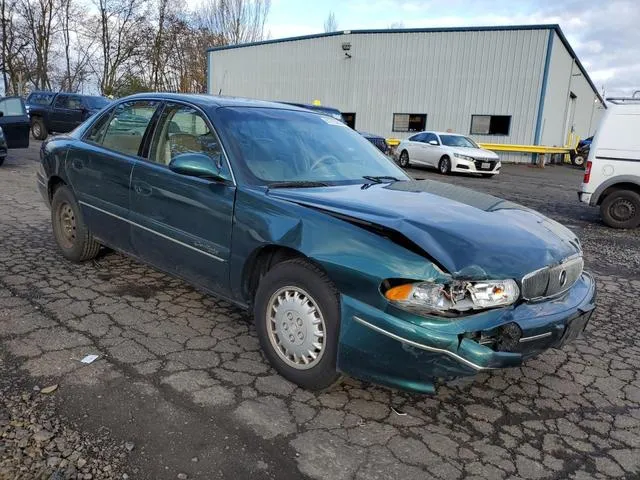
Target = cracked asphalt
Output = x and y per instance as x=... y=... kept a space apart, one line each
x=180 y=373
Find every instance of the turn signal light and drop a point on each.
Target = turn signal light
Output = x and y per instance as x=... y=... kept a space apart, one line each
x=587 y=173
x=401 y=292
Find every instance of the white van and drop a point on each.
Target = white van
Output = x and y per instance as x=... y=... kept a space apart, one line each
x=612 y=175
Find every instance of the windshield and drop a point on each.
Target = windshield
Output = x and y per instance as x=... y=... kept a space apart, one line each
x=458 y=141
x=273 y=145
x=95 y=103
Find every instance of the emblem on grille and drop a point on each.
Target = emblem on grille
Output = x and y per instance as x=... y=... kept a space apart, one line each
x=562 y=278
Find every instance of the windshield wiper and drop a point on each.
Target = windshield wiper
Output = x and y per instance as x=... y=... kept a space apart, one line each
x=381 y=178
x=296 y=184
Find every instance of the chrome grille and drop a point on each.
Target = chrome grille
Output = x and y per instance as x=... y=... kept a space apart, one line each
x=550 y=281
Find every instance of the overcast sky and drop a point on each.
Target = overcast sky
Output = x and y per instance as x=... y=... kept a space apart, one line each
x=604 y=33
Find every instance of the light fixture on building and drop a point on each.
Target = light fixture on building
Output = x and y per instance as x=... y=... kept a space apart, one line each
x=346 y=46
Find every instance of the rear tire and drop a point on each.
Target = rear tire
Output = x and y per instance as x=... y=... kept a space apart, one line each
x=297 y=317
x=69 y=230
x=404 y=159
x=621 y=209
x=38 y=129
x=444 y=166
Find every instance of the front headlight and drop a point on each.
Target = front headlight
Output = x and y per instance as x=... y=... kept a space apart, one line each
x=453 y=298
x=463 y=157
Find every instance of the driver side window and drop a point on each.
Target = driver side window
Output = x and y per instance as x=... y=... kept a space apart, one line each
x=182 y=129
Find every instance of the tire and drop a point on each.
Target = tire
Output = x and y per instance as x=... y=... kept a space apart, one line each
x=69 y=230
x=444 y=166
x=313 y=288
x=578 y=160
x=621 y=209
x=38 y=129
x=404 y=159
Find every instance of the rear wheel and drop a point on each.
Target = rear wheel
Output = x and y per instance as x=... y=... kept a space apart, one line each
x=404 y=159
x=38 y=129
x=444 y=167
x=297 y=317
x=621 y=209
x=69 y=230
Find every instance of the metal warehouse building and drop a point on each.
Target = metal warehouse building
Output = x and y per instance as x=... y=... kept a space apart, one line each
x=521 y=85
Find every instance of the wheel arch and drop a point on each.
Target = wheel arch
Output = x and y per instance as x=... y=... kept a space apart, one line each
x=616 y=184
x=53 y=184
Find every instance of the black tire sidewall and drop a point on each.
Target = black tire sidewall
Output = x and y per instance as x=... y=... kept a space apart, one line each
x=40 y=123
x=64 y=195
x=404 y=164
x=308 y=277
x=611 y=199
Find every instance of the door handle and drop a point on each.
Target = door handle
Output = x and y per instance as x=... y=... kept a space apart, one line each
x=142 y=189
x=77 y=164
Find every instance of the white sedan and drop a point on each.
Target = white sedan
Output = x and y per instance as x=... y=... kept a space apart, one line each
x=448 y=152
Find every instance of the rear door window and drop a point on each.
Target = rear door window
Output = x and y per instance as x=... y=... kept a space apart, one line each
x=126 y=127
x=62 y=101
x=12 y=107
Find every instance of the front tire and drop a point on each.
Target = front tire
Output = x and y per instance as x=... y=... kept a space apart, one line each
x=38 y=129
x=404 y=159
x=297 y=317
x=621 y=209
x=444 y=167
x=69 y=230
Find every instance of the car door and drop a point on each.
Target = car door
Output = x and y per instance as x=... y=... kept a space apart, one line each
x=182 y=224
x=99 y=168
x=414 y=147
x=59 y=113
x=432 y=152
x=75 y=112
x=14 y=122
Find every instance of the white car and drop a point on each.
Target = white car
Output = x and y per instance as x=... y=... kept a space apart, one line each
x=448 y=152
x=612 y=176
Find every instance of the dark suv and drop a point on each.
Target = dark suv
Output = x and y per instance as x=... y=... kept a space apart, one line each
x=60 y=112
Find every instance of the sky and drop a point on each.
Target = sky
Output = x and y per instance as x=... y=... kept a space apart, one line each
x=604 y=33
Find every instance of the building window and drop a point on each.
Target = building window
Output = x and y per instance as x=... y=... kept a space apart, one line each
x=490 y=124
x=349 y=119
x=409 y=122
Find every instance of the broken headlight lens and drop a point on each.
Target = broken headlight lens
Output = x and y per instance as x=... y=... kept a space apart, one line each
x=452 y=298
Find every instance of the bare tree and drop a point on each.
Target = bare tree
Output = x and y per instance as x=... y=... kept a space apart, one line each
x=236 y=21
x=330 y=24
x=41 y=23
x=120 y=27
x=78 y=46
x=14 y=44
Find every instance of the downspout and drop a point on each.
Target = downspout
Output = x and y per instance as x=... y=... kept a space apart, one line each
x=543 y=93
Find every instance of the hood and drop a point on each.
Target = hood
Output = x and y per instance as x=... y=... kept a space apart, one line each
x=478 y=153
x=468 y=233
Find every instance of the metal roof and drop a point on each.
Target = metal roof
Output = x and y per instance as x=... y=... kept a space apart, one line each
x=550 y=26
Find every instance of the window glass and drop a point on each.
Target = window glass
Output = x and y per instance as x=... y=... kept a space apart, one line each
x=74 y=103
x=409 y=122
x=458 y=141
x=12 y=107
x=350 y=119
x=490 y=124
x=182 y=129
x=429 y=137
x=40 y=98
x=416 y=138
x=126 y=127
x=97 y=130
x=274 y=145
x=61 y=101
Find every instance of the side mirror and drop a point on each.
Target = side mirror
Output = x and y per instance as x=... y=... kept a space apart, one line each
x=195 y=164
x=433 y=142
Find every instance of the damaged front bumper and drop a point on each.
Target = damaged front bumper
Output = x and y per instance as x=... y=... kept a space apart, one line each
x=410 y=352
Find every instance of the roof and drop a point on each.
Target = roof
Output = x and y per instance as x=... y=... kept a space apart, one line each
x=206 y=100
x=498 y=28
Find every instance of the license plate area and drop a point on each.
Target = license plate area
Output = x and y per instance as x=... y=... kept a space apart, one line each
x=485 y=165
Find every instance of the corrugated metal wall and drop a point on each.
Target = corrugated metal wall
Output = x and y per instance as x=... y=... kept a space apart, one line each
x=447 y=75
x=565 y=78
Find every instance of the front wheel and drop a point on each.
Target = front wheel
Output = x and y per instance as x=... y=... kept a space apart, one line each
x=38 y=129
x=621 y=209
x=404 y=159
x=444 y=167
x=69 y=230
x=297 y=317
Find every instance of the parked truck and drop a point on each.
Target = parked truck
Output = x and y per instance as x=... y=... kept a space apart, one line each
x=60 y=112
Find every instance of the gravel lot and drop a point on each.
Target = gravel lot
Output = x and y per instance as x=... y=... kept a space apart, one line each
x=181 y=390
